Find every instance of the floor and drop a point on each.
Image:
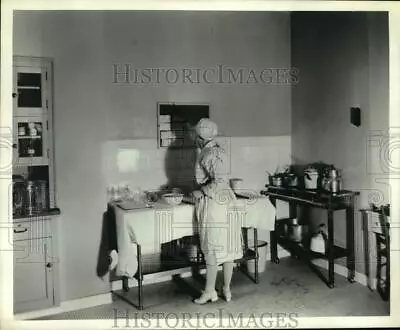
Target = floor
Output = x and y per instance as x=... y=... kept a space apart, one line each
x=289 y=287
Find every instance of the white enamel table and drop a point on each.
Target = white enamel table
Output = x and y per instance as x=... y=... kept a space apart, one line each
x=142 y=231
x=151 y=227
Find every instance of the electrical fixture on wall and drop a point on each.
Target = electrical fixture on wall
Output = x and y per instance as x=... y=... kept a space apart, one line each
x=355 y=116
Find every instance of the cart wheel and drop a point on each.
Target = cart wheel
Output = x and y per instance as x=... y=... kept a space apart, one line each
x=331 y=285
x=276 y=261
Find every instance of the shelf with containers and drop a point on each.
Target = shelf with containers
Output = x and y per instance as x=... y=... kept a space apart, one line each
x=31 y=140
x=331 y=202
x=32 y=123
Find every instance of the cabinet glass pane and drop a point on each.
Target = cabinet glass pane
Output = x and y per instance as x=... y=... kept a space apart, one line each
x=29 y=90
x=29 y=79
x=29 y=98
x=30 y=139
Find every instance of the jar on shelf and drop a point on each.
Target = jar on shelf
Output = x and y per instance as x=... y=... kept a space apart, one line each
x=31 y=195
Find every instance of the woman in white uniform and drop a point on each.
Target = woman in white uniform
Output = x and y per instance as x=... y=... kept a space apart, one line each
x=219 y=230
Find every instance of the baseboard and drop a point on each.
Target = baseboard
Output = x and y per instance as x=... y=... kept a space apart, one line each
x=106 y=298
x=67 y=306
x=342 y=270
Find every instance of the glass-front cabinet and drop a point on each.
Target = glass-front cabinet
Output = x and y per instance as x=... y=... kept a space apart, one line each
x=32 y=110
x=32 y=122
x=34 y=209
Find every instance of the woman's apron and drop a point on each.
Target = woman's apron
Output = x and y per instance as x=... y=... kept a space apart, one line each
x=220 y=227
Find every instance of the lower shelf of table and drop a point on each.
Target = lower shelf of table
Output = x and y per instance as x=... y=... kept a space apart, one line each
x=157 y=263
x=298 y=248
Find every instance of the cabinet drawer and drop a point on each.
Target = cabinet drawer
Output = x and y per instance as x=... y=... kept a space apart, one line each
x=31 y=229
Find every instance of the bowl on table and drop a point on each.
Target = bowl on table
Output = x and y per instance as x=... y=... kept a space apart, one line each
x=173 y=198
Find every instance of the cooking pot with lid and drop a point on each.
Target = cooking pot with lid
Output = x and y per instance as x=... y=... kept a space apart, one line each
x=295 y=231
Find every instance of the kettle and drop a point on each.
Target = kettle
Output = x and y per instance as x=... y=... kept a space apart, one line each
x=318 y=241
x=332 y=181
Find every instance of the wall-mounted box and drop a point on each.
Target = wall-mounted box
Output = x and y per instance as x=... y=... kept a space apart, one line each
x=175 y=122
x=355 y=116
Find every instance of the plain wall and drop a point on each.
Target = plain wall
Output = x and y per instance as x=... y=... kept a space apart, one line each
x=90 y=112
x=198 y=40
x=343 y=62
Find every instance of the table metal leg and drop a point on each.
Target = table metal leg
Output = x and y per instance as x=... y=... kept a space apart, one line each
x=140 y=277
x=331 y=256
x=125 y=284
x=372 y=260
x=350 y=242
x=274 y=247
x=256 y=279
x=272 y=238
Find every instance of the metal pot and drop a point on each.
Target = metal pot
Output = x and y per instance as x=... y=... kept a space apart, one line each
x=296 y=231
x=311 y=179
x=292 y=180
x=332 y=183
x=277 y=181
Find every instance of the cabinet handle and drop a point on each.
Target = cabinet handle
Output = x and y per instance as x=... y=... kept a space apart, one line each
x=20 y=231
x=14 y=95
x=49 y=265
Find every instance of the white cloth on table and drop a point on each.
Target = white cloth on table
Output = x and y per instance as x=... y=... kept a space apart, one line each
x=257 y=212
x=149 y=227
x=153 y=226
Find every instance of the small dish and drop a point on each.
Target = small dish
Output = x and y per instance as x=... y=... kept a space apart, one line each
x=173 y=198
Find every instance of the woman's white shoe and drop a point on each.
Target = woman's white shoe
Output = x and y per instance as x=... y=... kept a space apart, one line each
x=227 y=294
x=206 y=297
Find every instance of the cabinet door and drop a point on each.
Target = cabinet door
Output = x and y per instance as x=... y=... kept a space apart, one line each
x=33 y=275
x=30 y=140
x=30 y=87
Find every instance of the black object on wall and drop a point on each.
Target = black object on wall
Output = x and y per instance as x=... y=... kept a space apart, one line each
x=355 y=116
x=176 y=121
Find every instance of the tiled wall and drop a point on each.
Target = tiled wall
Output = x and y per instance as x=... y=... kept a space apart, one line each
x=140 y=164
